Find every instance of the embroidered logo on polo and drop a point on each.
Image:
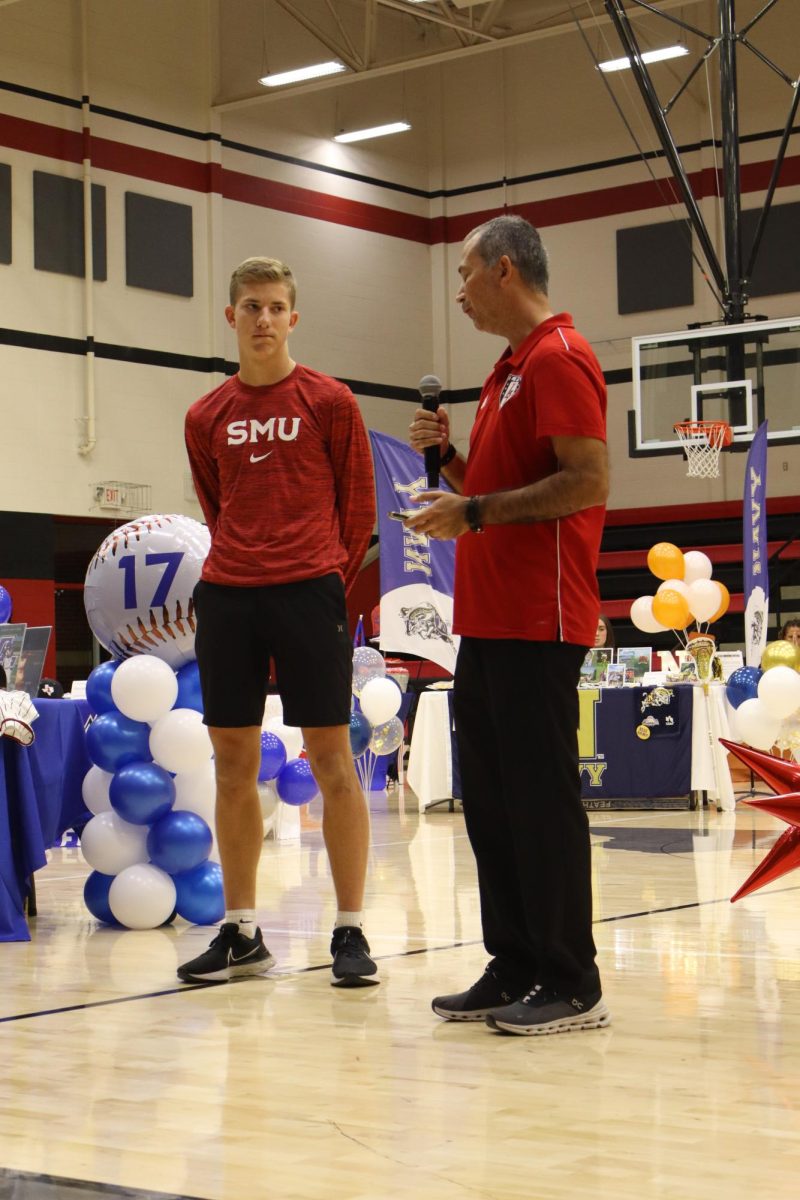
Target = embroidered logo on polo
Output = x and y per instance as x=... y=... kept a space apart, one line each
x=510 y=389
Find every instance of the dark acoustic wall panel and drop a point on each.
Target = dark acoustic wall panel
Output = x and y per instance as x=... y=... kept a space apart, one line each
x=5 y=213
x=654 y=267
x=58 y=225
x=158 y=245
x=777 y=267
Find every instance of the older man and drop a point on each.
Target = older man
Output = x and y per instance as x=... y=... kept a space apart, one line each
x=528 y=514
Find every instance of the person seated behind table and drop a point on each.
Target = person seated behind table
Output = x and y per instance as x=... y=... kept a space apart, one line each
x=790 y=631
x=604 y=635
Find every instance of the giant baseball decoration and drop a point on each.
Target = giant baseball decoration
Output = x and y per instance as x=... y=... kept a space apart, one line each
x=139 y=585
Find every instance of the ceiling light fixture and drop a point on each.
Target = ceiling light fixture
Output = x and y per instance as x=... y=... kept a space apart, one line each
x=361 y=135
x=316 y=72
x=649 y=56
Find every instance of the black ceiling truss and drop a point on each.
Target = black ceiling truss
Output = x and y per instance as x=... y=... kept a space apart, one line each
x=733 y=281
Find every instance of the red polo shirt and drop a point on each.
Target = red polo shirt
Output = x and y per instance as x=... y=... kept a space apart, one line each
x=535 y=582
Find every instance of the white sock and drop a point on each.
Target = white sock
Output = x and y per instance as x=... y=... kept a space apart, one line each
x=245 y=918
x=349 y=918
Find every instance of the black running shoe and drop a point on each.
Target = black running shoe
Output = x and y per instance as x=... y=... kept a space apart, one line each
x=489 y=992
x=231 y=955
x=543 y=1011
x=352 y=965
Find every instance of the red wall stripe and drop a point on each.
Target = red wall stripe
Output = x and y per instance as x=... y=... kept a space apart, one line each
x=66 y=145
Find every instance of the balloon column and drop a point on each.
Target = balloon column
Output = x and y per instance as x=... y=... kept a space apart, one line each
x=151 y=790
x=375 y=728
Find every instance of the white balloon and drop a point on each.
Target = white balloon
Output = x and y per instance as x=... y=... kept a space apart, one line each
x=380 y=700
x=94 y=790
x=290 y=735
x=142 y=896
x=696 y=565
x=642 y=616
x=110 y=844
x=144 y=688
x=179 y=741
x=779 y=691
x=704 y=598
x=196 y=791
x=674 y=585
x=755 y=726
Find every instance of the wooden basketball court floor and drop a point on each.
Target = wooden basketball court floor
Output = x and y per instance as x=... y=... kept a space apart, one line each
x=114 y=1074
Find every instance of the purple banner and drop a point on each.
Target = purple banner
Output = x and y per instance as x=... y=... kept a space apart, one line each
x=754 y=537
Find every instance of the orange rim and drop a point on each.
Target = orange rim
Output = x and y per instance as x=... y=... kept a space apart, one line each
x=707 y=429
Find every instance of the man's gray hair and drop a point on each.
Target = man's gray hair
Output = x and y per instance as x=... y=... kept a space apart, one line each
x=517 y=238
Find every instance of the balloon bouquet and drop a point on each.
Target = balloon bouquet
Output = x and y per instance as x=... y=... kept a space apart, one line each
x=686 y=593
x=375 y=728
x=766 y=699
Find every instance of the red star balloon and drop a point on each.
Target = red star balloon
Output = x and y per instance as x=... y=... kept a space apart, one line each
x=778 y=773
x=784 y=778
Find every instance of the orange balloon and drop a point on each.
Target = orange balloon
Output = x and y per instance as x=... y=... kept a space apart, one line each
x=671 y=609
x=666 y=562
x=725 y=603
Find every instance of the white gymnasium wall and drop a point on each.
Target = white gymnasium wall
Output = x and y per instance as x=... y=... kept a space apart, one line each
x=376 y=299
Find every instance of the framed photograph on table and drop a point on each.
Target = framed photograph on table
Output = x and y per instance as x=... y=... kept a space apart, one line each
x=594 y=665
x=614 y=675
x=637 y=661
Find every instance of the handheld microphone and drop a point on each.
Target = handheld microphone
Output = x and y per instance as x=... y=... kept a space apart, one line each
x=430 y=387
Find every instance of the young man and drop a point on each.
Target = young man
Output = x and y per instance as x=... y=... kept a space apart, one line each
x=282 y=467
x=526 y=606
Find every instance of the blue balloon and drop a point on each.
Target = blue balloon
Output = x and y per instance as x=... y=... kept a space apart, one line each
x=95 y=896
x=141 y=792
x=98 y=687
x=5 y=605
x=742 y=685
x=189 y=693
x=273 y=756
x=200 y=898
x=360 y=734
x=179 y=841
x=296 y=785
x=113 y=740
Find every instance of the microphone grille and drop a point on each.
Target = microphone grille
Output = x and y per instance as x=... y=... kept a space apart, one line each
x=430 y=385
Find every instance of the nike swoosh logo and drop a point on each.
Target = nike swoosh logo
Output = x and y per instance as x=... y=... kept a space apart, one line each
x=254 y=458
x=232 y=957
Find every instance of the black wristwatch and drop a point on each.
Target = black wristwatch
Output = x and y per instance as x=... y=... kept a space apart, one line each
x=472 y=514
x=448 y=456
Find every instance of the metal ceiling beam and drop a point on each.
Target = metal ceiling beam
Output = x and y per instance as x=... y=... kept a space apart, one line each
x=393 y=67
x=354 y=63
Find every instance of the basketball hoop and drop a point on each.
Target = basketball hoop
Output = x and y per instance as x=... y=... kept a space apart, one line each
x=702 y=442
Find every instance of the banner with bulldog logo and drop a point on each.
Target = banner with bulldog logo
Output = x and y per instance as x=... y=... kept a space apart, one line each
x=416 y=572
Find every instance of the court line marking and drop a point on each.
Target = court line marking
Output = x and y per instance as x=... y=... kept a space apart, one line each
x=187 y=988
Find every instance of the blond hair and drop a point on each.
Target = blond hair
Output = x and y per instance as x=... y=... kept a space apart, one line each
x=262 y=270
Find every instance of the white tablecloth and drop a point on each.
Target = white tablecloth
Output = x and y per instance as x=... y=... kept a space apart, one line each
x=430 y=766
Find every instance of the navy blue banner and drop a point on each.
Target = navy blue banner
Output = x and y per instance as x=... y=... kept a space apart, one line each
x=754 y=537
x=416 y=572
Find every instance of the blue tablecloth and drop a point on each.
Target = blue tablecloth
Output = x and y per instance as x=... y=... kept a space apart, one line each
x=40 y=797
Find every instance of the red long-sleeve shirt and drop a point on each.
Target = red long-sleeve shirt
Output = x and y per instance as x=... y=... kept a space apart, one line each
x=284 y=477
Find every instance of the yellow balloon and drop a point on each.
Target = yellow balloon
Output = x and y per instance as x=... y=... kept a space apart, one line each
x=666 y=562
x=671 y=609
x=781 y=654
x=724 y=603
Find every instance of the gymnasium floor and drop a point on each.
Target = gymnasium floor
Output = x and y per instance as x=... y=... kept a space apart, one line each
x=285 y=1088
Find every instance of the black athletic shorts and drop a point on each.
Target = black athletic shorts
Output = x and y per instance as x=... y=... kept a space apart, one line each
x=302 y=626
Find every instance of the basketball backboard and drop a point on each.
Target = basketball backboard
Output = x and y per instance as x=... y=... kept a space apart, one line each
x=742 y=374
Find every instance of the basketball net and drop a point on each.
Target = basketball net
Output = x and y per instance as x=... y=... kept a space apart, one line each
x=702 y=442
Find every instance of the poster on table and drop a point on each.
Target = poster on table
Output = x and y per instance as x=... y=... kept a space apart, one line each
x=416 y=572
x=31 y=660
x=11 y=639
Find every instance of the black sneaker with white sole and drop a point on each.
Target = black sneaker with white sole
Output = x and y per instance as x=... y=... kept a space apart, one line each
x=543 y=1011
x=231 y=955
x=352 y=965
x=487 y=993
